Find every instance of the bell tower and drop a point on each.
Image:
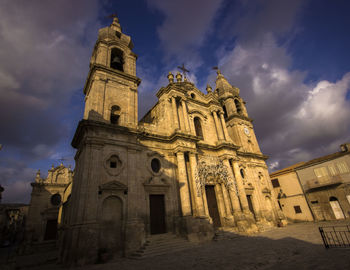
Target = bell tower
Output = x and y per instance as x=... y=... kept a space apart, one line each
x=239 y=125
x=111 y=86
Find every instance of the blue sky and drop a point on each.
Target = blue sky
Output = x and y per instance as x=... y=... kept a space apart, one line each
x=290 y=59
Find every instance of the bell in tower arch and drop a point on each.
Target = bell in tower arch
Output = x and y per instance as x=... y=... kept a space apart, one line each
x=117 y=60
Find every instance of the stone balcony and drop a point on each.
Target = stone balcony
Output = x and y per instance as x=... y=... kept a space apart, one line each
x=323 y=182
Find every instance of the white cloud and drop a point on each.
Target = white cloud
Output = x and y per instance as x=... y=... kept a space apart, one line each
x=15 y=177
x=294 y=121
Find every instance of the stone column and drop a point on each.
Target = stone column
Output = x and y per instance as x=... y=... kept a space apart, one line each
x=184 y=110
x=175 y=116
x=226 y=201
x=241 y=191
x=183 y=185
x=223 y=124
x=236 y=207
x=197 y=198
x=218 y=128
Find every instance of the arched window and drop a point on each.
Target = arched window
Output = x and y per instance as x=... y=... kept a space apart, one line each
x=337 y=210
x=117 y=60
x=225 y=111
x=115 y=114
x=238 y=106
x=198 y=127
x=242 y=173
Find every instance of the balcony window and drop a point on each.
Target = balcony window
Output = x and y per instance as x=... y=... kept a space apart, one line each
x=321 y=172
x=342 y=167
x=332 y=170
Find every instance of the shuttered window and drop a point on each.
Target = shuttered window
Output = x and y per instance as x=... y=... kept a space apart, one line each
x=342 y=167
x=321 y=172
x=332 y=170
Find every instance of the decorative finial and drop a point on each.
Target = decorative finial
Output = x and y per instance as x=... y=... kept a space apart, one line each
x=178 y=77
x=52 y=167
x=37 y=177
x=209 y=89
x=170 y=77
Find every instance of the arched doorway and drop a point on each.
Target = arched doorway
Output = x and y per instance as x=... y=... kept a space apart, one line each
x=337 y=211
x=111 y=224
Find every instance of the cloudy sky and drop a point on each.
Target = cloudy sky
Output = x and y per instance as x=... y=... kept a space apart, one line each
x=291 y=60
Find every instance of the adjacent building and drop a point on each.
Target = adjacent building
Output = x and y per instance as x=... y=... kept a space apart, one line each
x=290 y=194
x=321 y=185
x=46 y=201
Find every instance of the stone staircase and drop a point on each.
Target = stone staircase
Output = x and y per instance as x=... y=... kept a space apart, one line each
x=223 y=233
x=160 y=244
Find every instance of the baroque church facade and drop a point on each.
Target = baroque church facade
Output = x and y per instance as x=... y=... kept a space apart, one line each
x=190 y=165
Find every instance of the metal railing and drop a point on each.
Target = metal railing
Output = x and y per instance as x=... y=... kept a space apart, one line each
x=335 y=236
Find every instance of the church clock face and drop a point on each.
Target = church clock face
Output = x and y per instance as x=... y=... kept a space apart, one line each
x=246 y=131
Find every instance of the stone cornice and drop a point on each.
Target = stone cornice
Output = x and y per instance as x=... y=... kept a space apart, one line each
x=163 y=138
x=109 y=71
x=43 y=184
x=221 y=145
x=253 y=155
x=85 y=125
x=239 y=116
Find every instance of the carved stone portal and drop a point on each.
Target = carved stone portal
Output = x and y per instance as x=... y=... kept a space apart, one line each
x=211 y=171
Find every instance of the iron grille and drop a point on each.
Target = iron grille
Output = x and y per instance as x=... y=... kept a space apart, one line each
x=335 y=236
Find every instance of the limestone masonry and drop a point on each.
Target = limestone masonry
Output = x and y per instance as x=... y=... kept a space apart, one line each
x=190 y=165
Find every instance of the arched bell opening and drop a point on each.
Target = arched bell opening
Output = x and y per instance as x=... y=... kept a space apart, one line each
x=117 y=59
x=238 y=106
x=225 y=111
x=115 y=114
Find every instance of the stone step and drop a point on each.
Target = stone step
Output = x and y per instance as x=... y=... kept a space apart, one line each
x=169 y=246
x=162 y=244
x=225 y=234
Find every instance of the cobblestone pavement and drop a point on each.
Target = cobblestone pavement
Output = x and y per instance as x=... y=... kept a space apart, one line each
x=296 y=246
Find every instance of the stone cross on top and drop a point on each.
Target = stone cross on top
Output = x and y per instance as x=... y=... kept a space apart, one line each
x=183 y=69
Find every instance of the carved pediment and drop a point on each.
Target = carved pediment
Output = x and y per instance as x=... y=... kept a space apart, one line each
x=113 y=185
x=266 y=190
x=156 y=181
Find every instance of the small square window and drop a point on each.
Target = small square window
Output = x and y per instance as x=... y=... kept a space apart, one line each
x=297 y=209
x=113 y=164
x=314 y=202
x=275 y=183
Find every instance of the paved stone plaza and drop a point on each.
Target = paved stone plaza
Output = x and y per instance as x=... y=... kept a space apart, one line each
x=297 y=246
